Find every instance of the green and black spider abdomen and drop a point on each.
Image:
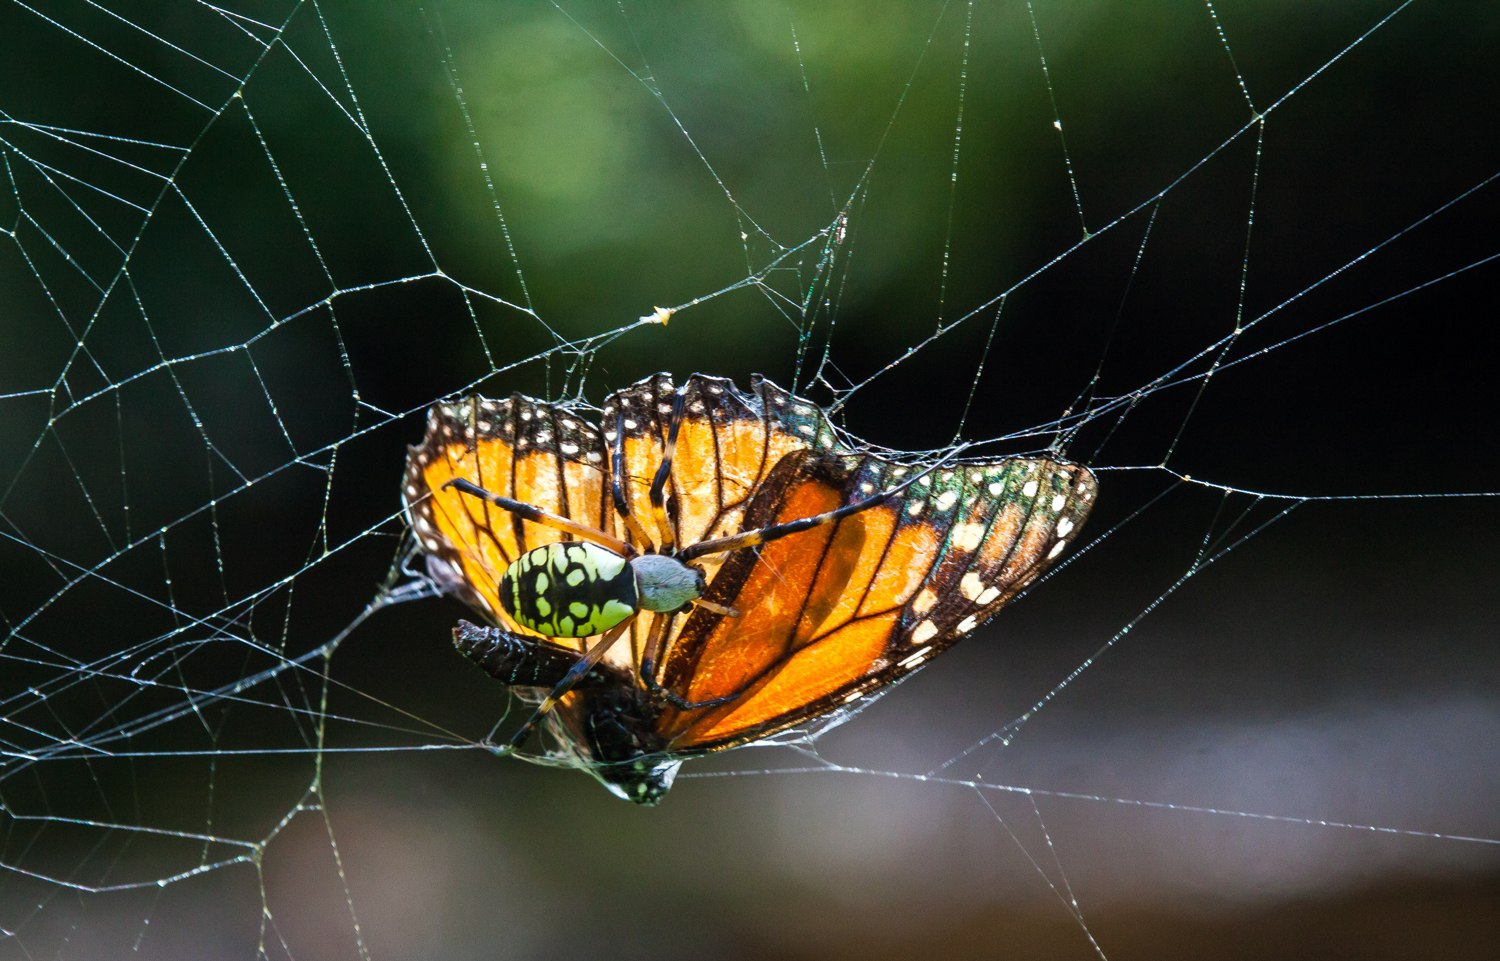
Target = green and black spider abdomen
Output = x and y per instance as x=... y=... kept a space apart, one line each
x=569 y=589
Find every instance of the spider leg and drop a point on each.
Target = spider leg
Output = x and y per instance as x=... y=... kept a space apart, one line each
x=546 y=518
x=723 y=609
x=617 y=485
x=664 y=471
x=569 y=680
x=720 y=545
x=660 y=625
x=659 y=628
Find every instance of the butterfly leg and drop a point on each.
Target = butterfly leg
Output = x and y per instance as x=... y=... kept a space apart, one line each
x=682 y=703
x=574 y=675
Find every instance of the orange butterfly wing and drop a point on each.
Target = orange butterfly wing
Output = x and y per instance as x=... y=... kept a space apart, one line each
x=833 y=613
x=543 y=454
x=728 y=442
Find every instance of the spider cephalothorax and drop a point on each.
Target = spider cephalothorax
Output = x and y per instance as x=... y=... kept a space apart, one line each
x=738 y=567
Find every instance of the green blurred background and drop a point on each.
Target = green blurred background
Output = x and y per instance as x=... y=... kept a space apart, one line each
x=396 y=202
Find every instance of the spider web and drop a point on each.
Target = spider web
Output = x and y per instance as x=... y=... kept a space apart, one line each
x=1237 y=257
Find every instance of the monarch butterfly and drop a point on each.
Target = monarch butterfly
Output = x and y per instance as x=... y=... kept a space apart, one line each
x=711 y=566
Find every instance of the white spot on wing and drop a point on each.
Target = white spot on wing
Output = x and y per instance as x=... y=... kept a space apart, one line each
x=967 y=624
x=1030 y=489
x=912 y=660
x=924 y=632
x=988 y=597
x=1056 y=549
x=1064 y=527
x=967 y=537
x=1058 y=501
x=971 y=586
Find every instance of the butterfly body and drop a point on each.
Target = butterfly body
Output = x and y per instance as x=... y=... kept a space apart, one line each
x=818 y=571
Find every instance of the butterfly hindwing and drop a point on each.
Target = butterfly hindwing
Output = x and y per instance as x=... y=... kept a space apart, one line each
x=836 y=612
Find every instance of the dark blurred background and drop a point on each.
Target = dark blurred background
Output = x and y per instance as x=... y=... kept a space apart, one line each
x=244 y=249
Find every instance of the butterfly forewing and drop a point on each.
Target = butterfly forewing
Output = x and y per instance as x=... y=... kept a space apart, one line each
x=542 y=454
x=728 y=442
